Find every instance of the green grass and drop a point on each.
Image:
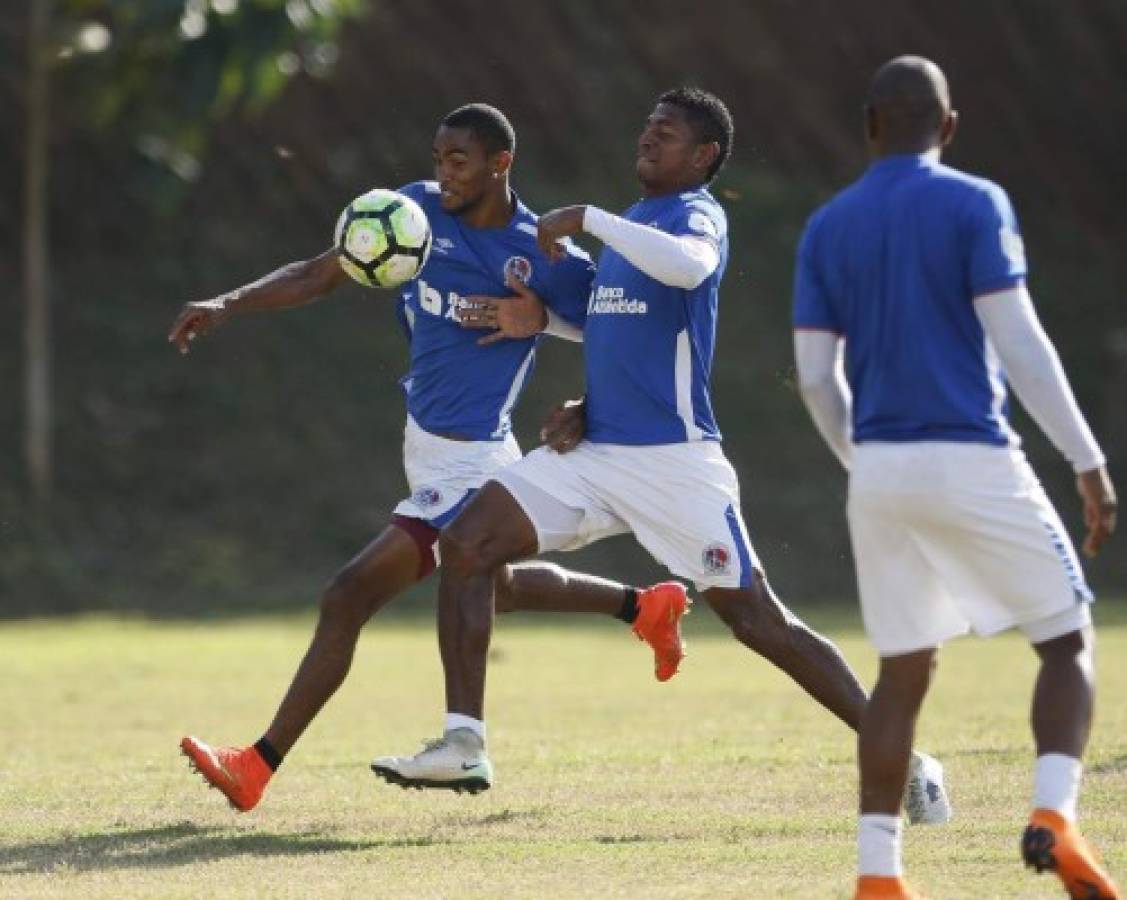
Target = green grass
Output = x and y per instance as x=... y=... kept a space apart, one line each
x=726 y=782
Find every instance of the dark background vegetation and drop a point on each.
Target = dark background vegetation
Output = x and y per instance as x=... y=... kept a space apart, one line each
x=239 y=478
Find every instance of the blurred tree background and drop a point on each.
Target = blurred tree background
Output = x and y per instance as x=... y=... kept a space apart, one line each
x=191 y=145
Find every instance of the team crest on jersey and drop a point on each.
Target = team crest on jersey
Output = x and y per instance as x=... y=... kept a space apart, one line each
x=716 y=558
x=427 y=496
x=520 y=268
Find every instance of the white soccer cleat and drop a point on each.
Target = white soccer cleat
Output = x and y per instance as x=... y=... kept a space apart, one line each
x=925 y=799
x=456 y=761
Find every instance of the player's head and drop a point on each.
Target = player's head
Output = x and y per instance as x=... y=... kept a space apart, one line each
x=685 y=141
x=473 y=151
x=908 y=108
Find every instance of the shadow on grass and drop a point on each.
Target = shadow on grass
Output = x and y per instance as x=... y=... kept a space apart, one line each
x=177 y=845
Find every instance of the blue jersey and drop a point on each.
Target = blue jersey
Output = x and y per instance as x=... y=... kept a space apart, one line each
x=454 y=386
x=893 y=263
x=648 y=346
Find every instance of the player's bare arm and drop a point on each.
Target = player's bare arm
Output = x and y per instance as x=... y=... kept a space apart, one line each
x=565 y=425
x=291 y=285
x=1101 y=509
x=520 y=315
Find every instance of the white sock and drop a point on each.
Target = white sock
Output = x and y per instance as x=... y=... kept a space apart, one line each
x=878 y=845
x=457 y=720
x=1056 y=784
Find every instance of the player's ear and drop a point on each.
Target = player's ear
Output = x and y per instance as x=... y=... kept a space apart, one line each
x=500 y=163
x=705 y=155
x=948 y=128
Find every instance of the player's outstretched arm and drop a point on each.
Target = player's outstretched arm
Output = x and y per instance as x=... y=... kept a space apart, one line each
x=682 y=261
x=291 y=285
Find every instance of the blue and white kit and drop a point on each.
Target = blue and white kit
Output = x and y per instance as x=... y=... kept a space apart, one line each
x=651 y=462
x=460 y=395
x=915 y=266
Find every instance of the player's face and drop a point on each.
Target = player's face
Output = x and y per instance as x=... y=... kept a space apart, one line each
x=669 y=154
x=462 y=169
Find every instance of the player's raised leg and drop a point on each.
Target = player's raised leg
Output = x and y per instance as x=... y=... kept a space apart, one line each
x=396 y=559
x=654 y=612
x=1062 y=717
x=491 y=531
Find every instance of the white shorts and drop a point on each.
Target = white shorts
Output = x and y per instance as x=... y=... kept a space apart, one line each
x=442 y=474
x=949 y=537
x=681 y=501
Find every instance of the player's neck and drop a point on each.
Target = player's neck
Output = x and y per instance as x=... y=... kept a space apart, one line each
x=494 y=210
x=671 y=187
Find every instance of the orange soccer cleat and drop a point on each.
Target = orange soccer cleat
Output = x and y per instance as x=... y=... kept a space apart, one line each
x=240 y=774
x=1052 y=842
x=877 y=887
x=660 y=608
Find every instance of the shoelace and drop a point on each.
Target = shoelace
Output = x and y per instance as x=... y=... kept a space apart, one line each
x=435 y=744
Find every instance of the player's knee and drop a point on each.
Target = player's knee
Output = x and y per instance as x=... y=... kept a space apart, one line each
x=463 y=551
x=344 y=602
x=1074 y=648
x=762 y=624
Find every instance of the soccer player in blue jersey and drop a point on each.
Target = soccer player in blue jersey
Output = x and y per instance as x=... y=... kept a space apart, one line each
x=460 y=390
x=917 y=271
x=650 y=462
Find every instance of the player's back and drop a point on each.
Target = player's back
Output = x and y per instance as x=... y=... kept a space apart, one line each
x=894 y=263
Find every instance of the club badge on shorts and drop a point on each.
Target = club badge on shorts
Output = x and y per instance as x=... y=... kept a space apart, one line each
x=716 y=558
x=427 y=496
x=519 y=267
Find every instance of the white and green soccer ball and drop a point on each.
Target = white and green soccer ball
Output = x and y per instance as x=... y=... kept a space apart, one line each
x=383 y=238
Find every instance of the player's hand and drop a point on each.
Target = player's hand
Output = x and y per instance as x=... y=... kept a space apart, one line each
x=556 y=225
x=520 y=316
x=1100 y=508
x=195 y=319
x=565 y=426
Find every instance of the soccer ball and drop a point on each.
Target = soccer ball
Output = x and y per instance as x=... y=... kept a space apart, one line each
x=383 y=239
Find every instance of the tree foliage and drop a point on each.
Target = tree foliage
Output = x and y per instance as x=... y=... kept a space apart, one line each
x=159 y=74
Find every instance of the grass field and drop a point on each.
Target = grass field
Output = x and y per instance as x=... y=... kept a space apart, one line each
x=726 y=782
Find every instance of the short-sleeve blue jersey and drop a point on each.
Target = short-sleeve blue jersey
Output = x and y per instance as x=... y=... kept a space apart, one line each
x=454 y=386
x=648 y=346
x=893 y=264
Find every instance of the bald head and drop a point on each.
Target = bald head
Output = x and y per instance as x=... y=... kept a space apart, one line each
x=908 y=107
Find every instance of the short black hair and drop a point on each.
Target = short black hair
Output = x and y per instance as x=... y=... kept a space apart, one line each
x=709 y=118
x=487 y=124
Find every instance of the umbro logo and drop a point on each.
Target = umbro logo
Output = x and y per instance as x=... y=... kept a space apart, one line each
x=442 y=245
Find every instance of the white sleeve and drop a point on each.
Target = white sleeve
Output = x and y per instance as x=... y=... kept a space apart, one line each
x=561 y=328
x=1034 y=371
x=820 y=361
x=681 y=261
